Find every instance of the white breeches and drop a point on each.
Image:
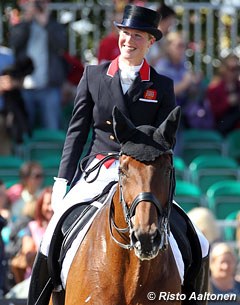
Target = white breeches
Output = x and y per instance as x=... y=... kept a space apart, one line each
x=84 y=191
x=81 y=192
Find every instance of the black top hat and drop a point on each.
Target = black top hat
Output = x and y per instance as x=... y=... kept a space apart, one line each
x=141 y=18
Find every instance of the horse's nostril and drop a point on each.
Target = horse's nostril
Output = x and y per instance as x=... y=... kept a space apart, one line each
x=138 y=245
x=145 y=241
x=135 y=240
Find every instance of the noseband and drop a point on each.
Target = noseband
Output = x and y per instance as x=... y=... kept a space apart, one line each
x=129 y=212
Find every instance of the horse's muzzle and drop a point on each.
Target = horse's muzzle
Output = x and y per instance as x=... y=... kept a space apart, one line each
x=146 y=245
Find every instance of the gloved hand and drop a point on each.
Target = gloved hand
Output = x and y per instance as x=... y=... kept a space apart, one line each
x=58 y=192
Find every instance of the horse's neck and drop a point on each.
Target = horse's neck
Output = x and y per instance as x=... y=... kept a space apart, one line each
x=118 y=210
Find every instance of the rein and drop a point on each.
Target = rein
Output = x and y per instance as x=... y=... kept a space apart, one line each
x=98 y=166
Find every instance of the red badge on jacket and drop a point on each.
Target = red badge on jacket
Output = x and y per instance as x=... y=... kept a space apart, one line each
x=150 y=94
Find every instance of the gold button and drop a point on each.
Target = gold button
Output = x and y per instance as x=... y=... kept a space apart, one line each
x=109 y=122
x=112 y=137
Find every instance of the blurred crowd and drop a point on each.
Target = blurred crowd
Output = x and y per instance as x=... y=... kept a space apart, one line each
x=38 y=81
x=25 y=210
x=39 y=76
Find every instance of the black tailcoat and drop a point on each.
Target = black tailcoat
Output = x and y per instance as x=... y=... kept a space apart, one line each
x=148 y=101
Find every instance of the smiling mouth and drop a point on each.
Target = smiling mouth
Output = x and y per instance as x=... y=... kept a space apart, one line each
x=129 y=48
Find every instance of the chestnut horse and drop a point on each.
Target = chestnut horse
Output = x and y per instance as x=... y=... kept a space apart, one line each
x=125 y=258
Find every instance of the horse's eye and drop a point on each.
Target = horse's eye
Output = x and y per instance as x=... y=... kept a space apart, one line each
x=121 y=171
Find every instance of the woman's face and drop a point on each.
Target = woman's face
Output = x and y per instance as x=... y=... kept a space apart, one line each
x=35 y=179
x=223 y=266
x=176 y=50
x=133 y=45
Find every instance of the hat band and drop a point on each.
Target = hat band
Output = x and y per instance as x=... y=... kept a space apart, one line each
x=136 y=24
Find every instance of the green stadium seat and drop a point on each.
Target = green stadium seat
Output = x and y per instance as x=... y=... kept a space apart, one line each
x=232 y=144
x=9 y=183
x=201 y=142
x=187 y=195
x=50 y=166
x=223 y=197
x=181 y=170
x=205 y=170
x=44 y=142
x=9 y=168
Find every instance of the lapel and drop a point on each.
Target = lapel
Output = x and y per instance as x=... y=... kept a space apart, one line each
x=139 y=86
x=113 y=87
x=141 y=83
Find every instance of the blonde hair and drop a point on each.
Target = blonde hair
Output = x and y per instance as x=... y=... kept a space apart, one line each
x=205 y=221
x=220 y=249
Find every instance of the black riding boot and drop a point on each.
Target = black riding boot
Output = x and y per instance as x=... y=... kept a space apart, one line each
x=195 y=288
x=202 y=280
x=40 y=285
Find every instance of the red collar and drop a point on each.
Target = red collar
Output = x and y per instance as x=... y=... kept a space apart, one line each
x=144 y=71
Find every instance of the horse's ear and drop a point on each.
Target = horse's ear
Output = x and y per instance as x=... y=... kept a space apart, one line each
x=169 y=127
x=122 y=126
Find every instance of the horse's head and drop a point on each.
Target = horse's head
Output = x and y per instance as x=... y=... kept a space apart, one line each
x=146 y=180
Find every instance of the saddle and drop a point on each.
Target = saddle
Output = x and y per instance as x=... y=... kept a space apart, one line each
x=74 y=219
x=67 y=229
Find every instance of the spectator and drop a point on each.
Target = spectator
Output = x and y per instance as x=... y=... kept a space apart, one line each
x=14 y=112
x=206 y=222
x=186 y=82
x=43 y=39
x=224 y=95
x=32 y=235
x=75 y=68
x=108 y=46
x=6 y=59
x=165 y=26
x=223 y=263
x=4 y=202
x=27 y=192
x=174 y=65
x=24 y=197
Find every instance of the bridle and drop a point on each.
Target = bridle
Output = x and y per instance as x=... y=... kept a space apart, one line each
x=129 y=212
